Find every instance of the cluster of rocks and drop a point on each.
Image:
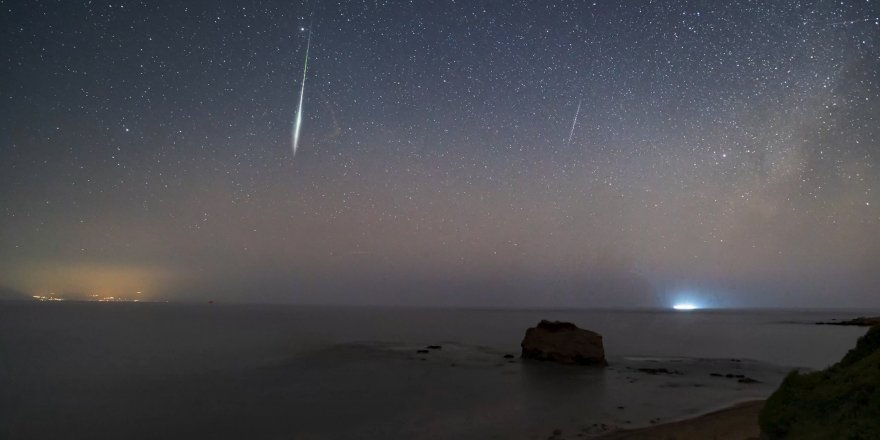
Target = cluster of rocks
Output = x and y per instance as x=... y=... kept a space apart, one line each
x=566 y=343
x=741 y=378
x=862 y=321
x=561 y=342
x=429 y=348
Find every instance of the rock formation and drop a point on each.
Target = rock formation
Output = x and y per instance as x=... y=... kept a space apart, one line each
x=563 y=342
x=862 y=321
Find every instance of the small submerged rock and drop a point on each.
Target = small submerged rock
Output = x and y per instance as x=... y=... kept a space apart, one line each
x=741 y=378
x=654 y=371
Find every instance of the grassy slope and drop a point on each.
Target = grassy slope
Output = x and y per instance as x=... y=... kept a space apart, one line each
x=841 y=402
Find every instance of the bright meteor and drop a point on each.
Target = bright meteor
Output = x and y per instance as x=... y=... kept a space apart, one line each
x=297 y=124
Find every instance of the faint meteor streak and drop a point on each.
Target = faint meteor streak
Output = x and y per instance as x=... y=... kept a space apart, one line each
x=302 y=91
x=849 y=22
x=844 y=23
x=574 y=124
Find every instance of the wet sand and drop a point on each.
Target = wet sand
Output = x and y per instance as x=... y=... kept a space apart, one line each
x=739 y=422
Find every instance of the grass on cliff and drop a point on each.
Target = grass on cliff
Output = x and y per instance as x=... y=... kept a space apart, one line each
x=840 y=402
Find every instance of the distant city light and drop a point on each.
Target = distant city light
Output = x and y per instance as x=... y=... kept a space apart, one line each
x=685 y=306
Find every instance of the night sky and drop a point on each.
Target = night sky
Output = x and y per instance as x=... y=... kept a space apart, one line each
x=725 y=153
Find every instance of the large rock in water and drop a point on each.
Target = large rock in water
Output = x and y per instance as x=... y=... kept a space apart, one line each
x=563 y=342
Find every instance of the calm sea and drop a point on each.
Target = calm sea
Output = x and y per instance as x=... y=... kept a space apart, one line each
x=154 y=370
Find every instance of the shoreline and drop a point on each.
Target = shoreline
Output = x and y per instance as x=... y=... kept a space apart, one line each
x=736 y=422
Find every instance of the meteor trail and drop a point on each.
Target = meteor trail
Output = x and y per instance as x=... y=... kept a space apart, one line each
x=302 y=91
x=846 y=23
x=849 y=22
x=574 y=123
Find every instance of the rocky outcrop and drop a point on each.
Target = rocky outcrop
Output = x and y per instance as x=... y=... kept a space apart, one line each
x=842 y=401
x=862 y=321
x=563 y=342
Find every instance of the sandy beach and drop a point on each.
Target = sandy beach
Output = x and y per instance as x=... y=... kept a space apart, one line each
x=739 y=422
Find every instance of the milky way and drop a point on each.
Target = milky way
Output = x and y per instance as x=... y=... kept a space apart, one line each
x=724 y=152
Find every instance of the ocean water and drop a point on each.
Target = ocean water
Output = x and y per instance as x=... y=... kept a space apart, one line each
x=160 y=370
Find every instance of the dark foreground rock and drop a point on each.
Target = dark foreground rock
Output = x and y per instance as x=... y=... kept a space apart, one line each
x=862 y=321
x=563 y=342
x=748 y=380
x=842 y=401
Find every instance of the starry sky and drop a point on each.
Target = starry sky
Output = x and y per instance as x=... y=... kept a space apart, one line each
x=452 y=153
